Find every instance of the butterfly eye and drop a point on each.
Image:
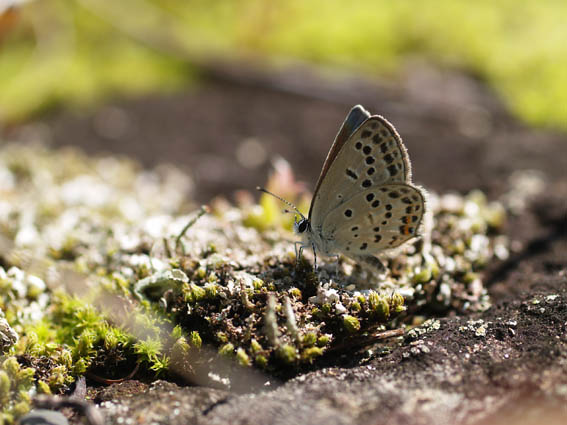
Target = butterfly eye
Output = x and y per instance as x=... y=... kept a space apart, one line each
x=302 y=226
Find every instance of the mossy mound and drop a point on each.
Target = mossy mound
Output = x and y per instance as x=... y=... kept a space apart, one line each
x=108 y=271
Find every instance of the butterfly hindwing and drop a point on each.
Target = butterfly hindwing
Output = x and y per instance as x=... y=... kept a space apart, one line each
x=375 y=219
x=373 y=155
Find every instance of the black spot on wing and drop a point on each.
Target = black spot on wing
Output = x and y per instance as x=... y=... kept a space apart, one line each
x=351 y=174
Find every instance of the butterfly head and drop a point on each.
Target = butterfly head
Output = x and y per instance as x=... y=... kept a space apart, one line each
x=302 y=225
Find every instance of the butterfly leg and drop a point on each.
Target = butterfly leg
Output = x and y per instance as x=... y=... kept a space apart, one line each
x=314 y=256
x=337 y=257
x=298 y=252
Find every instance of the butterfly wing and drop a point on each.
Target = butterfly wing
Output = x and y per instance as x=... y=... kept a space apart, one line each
x=354 y=119
x=373 y=155
x=375 y=219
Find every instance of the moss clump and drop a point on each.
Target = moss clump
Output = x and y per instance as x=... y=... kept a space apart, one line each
x=16 y=383
x=139 y=296
x=355 y=306
x=309 y=339
x=323 y=340
x=396 y=303
x=310 y=354
x=227 y=350
x=423 y=275
x=379 y=305
x=295 y=293
x=242 y=357
x=351 y=324
x=261 y=361
x=255 y=346
x=193 y=293
x=196 y=340
x=287 y=353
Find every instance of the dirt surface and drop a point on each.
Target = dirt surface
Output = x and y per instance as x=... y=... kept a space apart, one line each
x=506 y=365
x=458 y=134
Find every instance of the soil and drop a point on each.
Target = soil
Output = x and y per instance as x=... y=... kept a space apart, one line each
x=507 y=364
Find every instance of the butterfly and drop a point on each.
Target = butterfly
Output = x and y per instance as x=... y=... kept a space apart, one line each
x=364 y=202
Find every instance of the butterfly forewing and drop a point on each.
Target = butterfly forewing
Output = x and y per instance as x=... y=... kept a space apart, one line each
x=375 y=219
x=372 y=156
x=354 y=119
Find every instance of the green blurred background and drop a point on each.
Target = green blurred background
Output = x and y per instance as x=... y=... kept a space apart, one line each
x=77 y=53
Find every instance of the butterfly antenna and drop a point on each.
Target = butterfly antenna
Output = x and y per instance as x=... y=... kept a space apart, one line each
x=285 y=201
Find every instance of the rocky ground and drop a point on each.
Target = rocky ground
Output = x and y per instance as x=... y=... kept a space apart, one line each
x=505 y=365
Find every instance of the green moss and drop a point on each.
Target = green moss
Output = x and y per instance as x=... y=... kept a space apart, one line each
x=323 y=340
x=59 y=377
x=222 y=337
x=397 y=303
x=4 y=387
x=316 y=312
x=295 y=293
x=193 y=293
x=196 y=340
x=11 y=366
x=355 y=306
x=80 y=366
x=160 y=365
x=257 y=284
x=242 y=357
x=351 y=324
x=309 y=339
x=201 y=272
x=287 y=353
x=211 y=290
x=261 y=361
x=15 y=384
x=142 y=309
x=149 y=350
x=378 y=306
x=180 y=347
x=311 y=353
x=423 y=275
x=255 y=346
x=227 y=350
x=21 y=408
